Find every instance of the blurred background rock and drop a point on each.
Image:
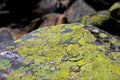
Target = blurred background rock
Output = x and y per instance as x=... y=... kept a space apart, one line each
x=23 y=16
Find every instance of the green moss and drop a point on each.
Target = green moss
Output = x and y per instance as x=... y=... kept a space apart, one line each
x=59 y=54
x=96 y=19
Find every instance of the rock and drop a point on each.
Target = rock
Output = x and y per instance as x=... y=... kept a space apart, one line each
x=63 y=52
x=12 y=33
x=78 y=9
x=66 y=3
x=45 y=6
x=103 y=20
x=63 y=5
x=53 y=19
x=96 y=19
x=18 y=33
x=47 y=20
x=50 y=6
x=5 y=35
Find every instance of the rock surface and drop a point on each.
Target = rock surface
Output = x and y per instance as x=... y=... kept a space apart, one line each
x=107 y=20
x=78 y=9
x=62 y=52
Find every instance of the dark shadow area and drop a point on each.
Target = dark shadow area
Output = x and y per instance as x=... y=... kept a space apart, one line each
x=101 y=4
x=18 y=11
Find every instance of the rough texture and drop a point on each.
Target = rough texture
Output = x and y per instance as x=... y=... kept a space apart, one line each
x=63 y=52
x=104 y=20
x=78 y=9
x=96 y=19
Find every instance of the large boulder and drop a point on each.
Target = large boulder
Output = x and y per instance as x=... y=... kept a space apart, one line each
x=62 y=52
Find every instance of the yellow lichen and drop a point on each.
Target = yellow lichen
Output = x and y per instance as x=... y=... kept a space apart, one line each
x=103 y=35
x=115 y=41
x=114 y=6
x=4 y=64
x=10 y=47
x=19 y=40
x=96 y=19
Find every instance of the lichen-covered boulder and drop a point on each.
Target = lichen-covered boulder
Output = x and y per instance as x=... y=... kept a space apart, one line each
x=96 y=19
x=105 y=20
x=62 y=52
